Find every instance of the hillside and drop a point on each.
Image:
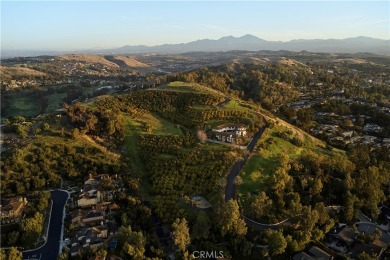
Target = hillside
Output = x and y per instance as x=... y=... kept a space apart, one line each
x=90 y=58
x=160 y=142
x=16 y=72
x=107 y=60
x=131 y=62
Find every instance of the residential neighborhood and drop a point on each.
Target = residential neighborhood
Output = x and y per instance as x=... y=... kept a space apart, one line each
x=90 y=213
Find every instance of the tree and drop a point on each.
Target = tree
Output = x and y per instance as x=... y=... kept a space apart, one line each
x=43 y=103
x=148 y=128
x=241 y=246
x=238 y=180
x=279 y=179
x=63 y=256
x=201 y=135
x=21 y=130
x=14 y=254
x=230 y=220
x=13 y=238
x=43 y=201
x=221 y=182
x=3 y=255
x=259 y=206
x=75 y=133
x=308 y=218
x=180 y=233
x=365 y=256
x=31 y=228
x=201 y=228
x=276 y=241
x=349 y=207
x=132 y=242
x=45 y=127
x=304 y=117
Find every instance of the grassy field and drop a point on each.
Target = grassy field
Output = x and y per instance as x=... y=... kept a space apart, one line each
x=20 y=106
x=189 y=87
x=25 y=103
x=216 y=147
x=232 y=104
x=256 y=171
x=261 y=165
x=134 y=128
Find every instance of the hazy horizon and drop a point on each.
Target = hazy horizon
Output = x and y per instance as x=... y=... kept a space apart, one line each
x=65 y=26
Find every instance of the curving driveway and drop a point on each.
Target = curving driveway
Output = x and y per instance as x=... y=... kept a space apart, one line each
x=230 y=192
x=50 y=250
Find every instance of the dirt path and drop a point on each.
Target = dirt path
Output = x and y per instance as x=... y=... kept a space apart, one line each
x=296 y=131
x=100 y=147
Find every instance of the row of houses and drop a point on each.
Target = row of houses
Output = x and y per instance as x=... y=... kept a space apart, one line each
x=347 y=240
x=91 y=217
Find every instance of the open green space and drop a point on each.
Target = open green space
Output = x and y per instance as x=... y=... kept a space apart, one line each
x=275 y=142
x=20 y=105
x=232 y=104
x=135 y=127
x=25 y=103
x=189 y=87
x=216 y=122
x=256 y=171
x=55 y=101
x=216 y=147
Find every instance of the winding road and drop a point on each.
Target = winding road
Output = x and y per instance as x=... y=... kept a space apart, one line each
x=230 y=191
x=50 y=250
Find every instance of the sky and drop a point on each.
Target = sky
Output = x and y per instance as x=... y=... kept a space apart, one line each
x=77 y=25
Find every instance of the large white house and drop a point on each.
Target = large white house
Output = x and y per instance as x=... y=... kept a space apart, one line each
x=229 y=132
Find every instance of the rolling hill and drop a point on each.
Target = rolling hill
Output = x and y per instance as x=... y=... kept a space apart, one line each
x=107 y=60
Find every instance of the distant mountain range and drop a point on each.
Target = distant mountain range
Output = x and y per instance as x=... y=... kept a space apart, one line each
x=247 y=43
x=252 y=43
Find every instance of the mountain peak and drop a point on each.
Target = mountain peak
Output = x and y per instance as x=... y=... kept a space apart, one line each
x=230 y=37
x=249 y=36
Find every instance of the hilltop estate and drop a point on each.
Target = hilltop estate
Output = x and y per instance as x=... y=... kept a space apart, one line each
x=229 y=132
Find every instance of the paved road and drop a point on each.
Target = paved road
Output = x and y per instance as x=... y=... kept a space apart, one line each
x=369 y=228
x=51 y=249
x=259 y=226
x=230 y=192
